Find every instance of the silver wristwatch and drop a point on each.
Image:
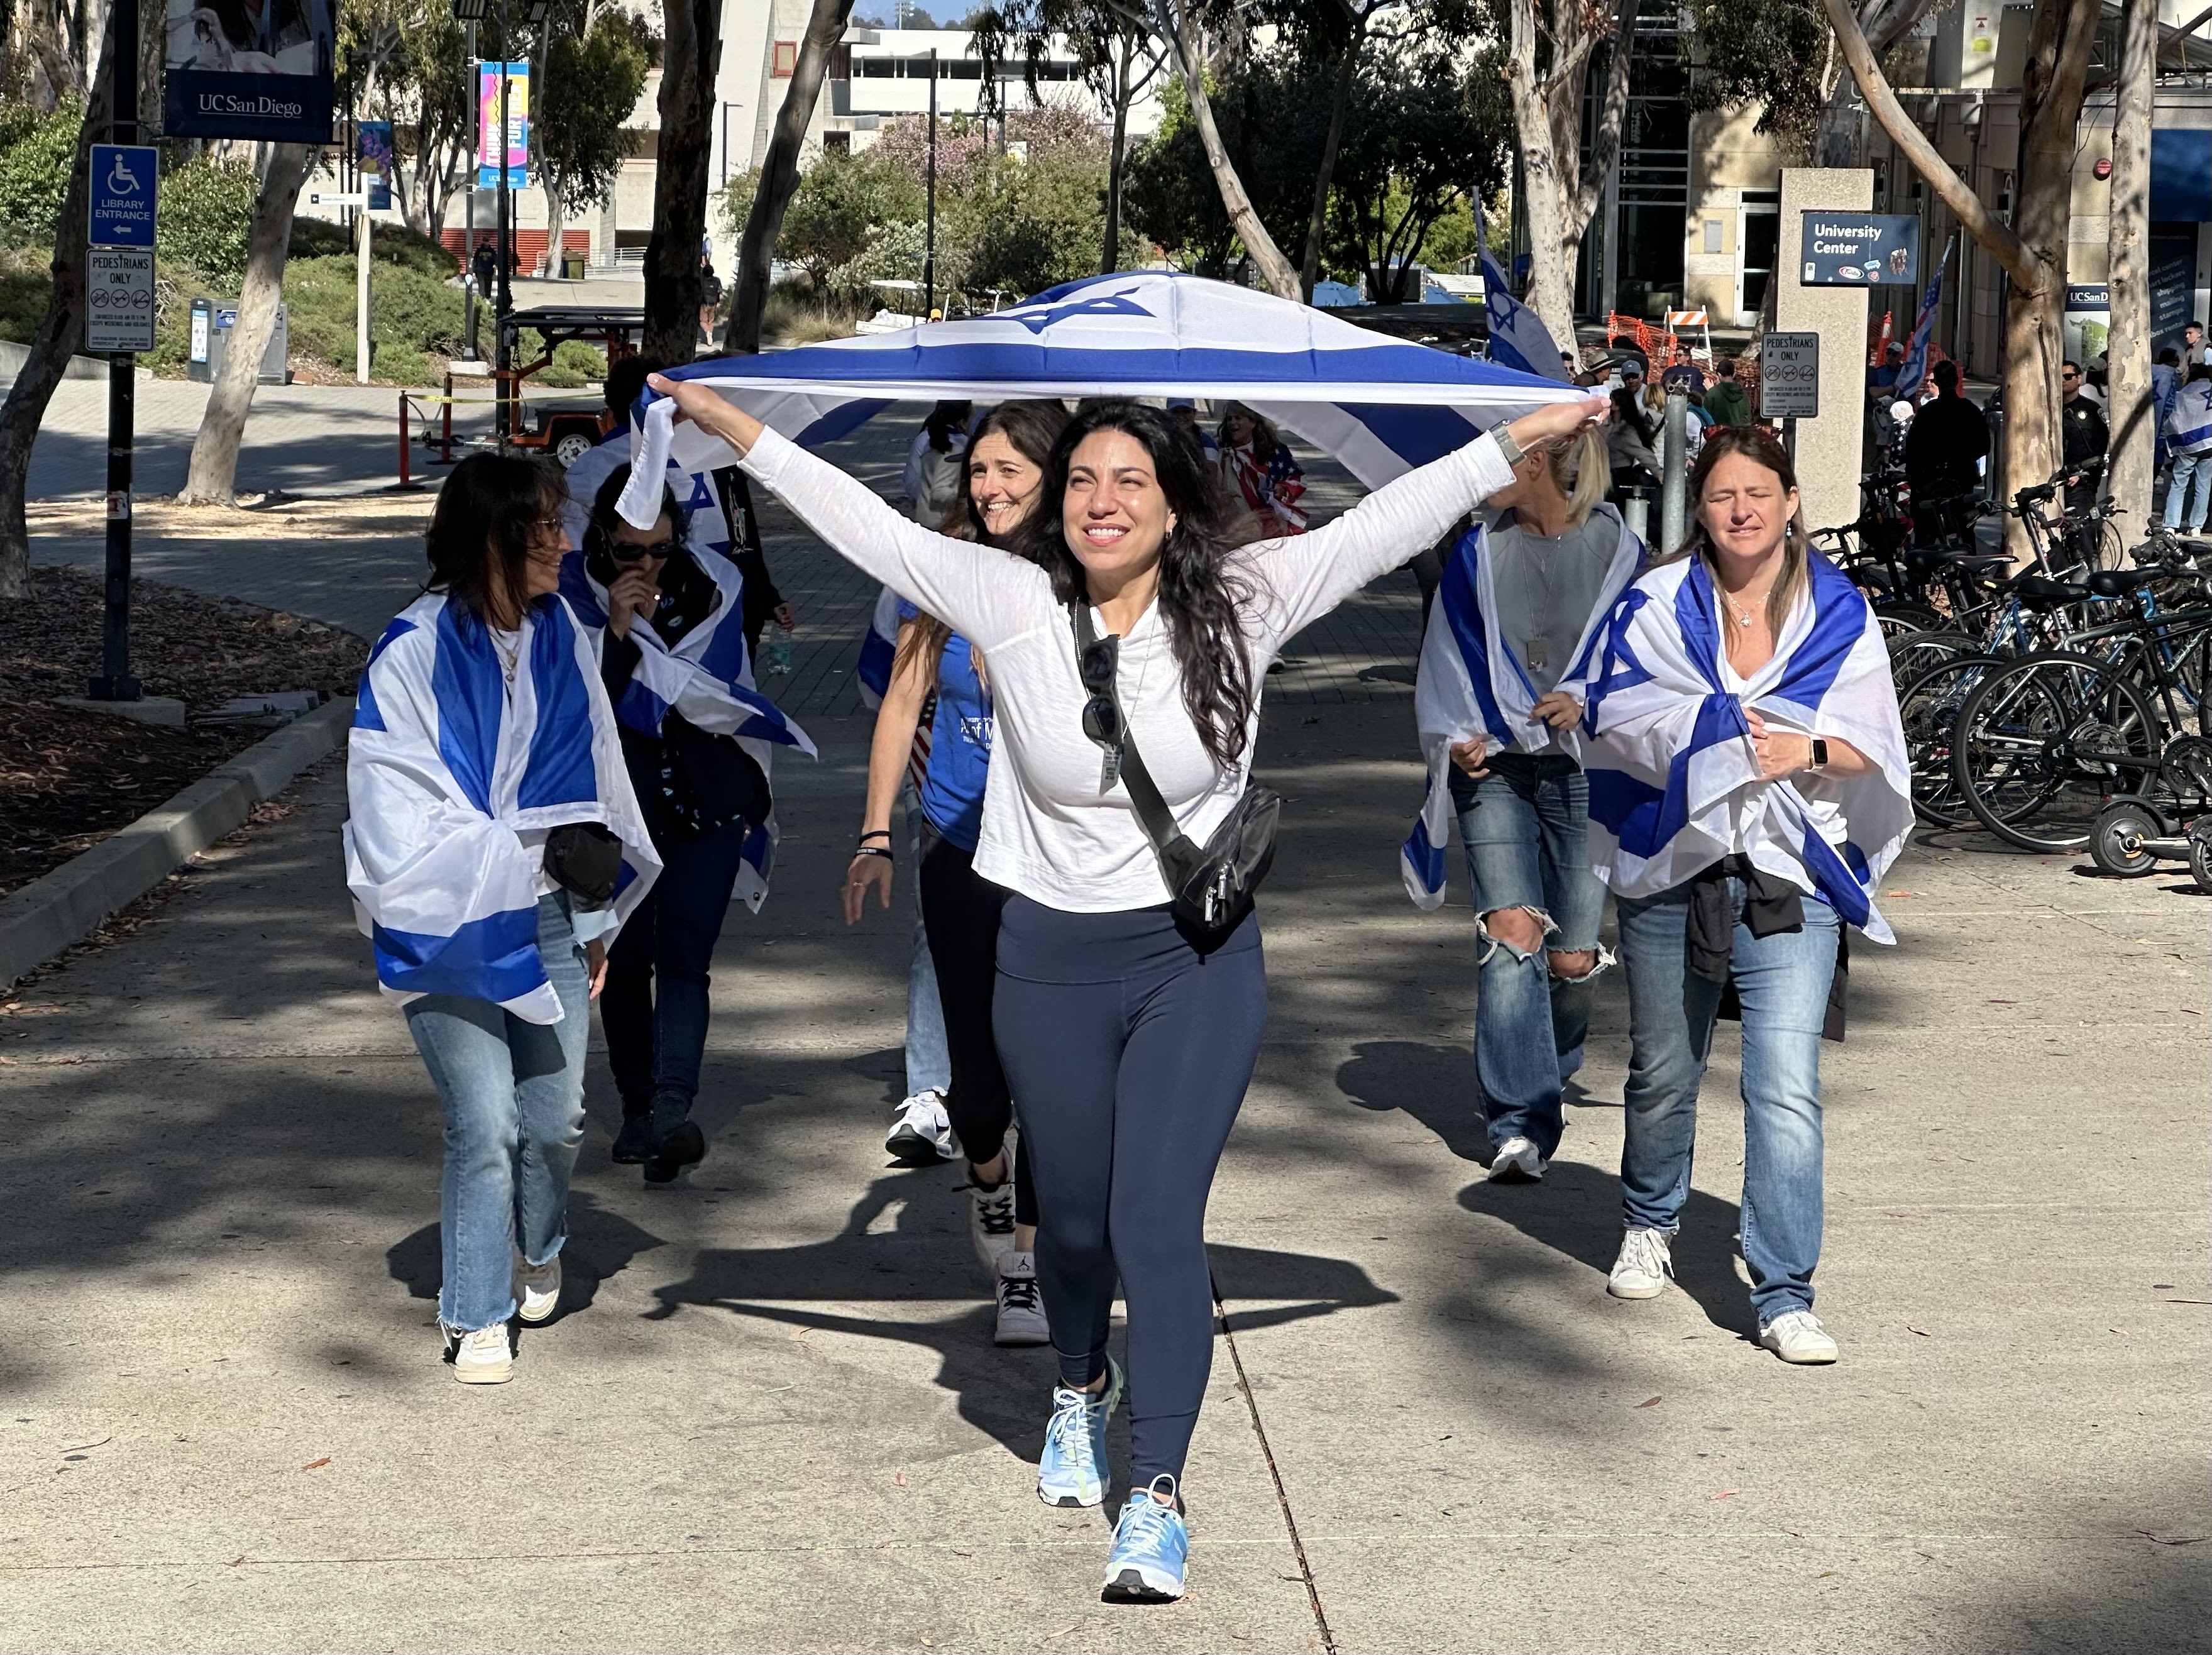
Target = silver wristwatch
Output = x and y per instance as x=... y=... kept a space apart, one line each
x=1503 y=431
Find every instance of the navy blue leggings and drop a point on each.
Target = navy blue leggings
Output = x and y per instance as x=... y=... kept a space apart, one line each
x=1130 y=1054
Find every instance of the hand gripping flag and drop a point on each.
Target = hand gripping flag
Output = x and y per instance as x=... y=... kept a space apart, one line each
x=452 y=782
x=1675 y=784
x=1472 y=683
x=1380 y=405
x=707 y=677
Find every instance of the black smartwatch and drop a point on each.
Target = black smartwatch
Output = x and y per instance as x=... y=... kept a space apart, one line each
x=1820 y=753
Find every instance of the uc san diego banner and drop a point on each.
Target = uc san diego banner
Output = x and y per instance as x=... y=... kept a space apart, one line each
x=249 y=68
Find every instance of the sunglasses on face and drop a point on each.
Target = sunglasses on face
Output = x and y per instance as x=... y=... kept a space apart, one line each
x=2069 y=377
x=1102 y=714
x=633 y=551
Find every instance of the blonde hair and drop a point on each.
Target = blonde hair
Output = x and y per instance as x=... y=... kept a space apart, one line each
x=1584 y=470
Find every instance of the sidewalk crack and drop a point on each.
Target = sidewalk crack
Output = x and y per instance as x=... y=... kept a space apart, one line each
x=1274 y=1473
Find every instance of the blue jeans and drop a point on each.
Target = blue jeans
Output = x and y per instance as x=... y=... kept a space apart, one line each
x=654 y=1007
x=513 y=1098
x=1523 y=827
x=2186 y=466
x=928 y=1058
x=1783 y=983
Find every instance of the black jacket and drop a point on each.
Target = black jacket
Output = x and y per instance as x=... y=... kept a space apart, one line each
x=1947 y=437
x=2081 y=427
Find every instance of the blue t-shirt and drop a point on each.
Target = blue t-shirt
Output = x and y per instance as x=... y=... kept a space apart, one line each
x=959 y=744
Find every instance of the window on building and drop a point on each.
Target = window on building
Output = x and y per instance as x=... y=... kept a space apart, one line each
x=787 y=60
x=836 y=143
x=876 y=69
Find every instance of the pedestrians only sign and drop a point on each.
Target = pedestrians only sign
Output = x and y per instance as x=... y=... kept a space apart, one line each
x=124 y=177
x=118 y=291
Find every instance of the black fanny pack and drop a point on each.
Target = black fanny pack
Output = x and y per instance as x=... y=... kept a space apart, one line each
x=584 y=859
x=1211 y=888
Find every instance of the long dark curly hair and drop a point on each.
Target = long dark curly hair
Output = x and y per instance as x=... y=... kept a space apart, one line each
x=1202 y=596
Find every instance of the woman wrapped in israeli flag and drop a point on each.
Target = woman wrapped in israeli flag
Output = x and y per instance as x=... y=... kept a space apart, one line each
x=699 y=740
x=1514 y=623
x=494 y=846
x=1747 y=789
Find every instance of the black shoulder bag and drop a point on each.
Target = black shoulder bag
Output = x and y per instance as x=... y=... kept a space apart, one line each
x=1211 y=888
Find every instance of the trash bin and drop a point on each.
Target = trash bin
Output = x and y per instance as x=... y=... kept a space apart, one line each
x=572 y=263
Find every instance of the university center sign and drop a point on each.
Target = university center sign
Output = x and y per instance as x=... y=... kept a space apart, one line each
x=1860 y=249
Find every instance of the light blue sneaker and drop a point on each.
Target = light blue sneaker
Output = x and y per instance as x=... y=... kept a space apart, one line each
x=1073 y=1469
x=1151 y=1548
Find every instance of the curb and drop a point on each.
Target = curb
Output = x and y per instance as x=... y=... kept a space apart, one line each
x=62 y=907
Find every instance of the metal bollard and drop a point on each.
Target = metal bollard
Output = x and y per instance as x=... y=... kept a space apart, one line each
x=1636 y=513
x=1674 y=499
x=405 y=481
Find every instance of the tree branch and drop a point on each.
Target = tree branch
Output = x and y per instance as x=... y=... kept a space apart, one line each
x=1993 y=233
x=1612 y=115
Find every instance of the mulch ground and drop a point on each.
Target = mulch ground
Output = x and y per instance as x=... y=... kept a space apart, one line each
x=69 y=778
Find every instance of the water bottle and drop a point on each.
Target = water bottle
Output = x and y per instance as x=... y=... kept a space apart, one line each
x=776 y=659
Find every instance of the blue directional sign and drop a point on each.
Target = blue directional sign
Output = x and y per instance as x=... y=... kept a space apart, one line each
x=122 y=183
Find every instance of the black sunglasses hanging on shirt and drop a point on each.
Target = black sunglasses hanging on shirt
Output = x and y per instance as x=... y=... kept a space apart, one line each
x=1211 y=890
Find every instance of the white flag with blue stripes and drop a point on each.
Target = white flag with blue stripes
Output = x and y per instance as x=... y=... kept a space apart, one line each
x=1518 y=337
x=453 y=780
x=878 y=650
x=1675 y=784
x=707 y=677
x=1379 y=405
x=1472 y=682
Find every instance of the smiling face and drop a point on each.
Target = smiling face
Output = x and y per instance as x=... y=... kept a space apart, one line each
x=1114 y=515
x=1745 y=509
x=549 y=544
x=1237 y=426
x=1002 y=481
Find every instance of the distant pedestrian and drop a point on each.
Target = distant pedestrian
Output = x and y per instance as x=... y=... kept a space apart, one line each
x=2083 y=437
x=1943 y=451
x=1726 y=400
x=494 y=845
x=2195 y=350
x=1258 y=470
x=2188 y=438
x=1748 y=788
x=934 y=463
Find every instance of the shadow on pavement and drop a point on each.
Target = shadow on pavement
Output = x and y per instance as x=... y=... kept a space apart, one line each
x=601 y=1245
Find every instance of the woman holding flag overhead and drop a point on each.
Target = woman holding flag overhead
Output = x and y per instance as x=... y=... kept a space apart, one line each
x=1128 y=644
x=1747 y=789
x=493 y=846
x=1517 y=616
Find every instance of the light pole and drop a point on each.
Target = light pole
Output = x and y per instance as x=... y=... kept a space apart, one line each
x=471 y=13
x=929 y=254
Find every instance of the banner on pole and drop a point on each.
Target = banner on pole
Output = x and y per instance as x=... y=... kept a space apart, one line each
x=233 y=69
x=517 y=138
x=373 y=151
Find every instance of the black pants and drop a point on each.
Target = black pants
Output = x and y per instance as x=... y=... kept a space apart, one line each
x=654 y=1006
x=960 y=912
x=1131 y=1054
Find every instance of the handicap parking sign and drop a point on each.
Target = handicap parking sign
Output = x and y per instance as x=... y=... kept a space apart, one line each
x=124 y=177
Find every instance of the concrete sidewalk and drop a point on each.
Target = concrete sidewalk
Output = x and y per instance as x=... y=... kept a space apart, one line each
x=769 y=1416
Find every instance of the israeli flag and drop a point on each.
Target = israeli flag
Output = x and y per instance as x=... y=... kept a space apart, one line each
x=1518 y=338
x=706 y=677
x=1674 y=784
x=453 y=779
x=1472 y=683
x=1381 y=406
x=880 y=650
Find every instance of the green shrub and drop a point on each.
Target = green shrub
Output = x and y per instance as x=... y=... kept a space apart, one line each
x=26 y=285
x=574 y=364
x=406 y=307
x=391 y=244
x=35 y=175
x=206 y=217
x=401 y=364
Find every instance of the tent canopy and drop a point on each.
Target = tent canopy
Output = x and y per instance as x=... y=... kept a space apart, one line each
x=1378 y=404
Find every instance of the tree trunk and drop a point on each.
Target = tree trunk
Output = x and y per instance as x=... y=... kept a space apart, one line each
x=1260 y=246
x=679 y=187
x=26 y=407
x=1109 y=257
x=1339 y=101
x=779 y=176
x=2133 y=414
x=212 y=479
x=1551 y=257
x=556 y=218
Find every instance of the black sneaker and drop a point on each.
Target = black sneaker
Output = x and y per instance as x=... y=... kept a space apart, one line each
x=677 y=1140
x=633 y=1143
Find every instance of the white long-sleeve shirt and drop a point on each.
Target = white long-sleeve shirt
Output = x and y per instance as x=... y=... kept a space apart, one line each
x=1050 y=831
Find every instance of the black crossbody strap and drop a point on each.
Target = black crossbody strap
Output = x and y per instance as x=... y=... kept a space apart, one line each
x=1168 y=839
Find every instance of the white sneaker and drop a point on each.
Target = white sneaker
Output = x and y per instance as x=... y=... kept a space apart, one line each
x=1798 y=1337
x=1021 y=1307
x=1516 y=1162
x=1643 y=1266
x=991 y=1224
x=539 y=1288
x=921 y=1132
x=485 y=1357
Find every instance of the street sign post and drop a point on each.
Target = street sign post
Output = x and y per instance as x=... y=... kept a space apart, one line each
x=119 y=220
x=119 y=297
x=1790 y=376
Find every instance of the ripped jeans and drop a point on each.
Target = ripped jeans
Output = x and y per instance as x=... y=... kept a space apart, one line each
x=1524 y=826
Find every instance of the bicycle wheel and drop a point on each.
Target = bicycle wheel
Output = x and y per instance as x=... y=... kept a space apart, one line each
x=1913 y=654
x=2043 y=740
x=1929 y=705
x=1898 y=619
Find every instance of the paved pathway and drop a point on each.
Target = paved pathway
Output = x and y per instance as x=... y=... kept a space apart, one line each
x=770 y=1417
